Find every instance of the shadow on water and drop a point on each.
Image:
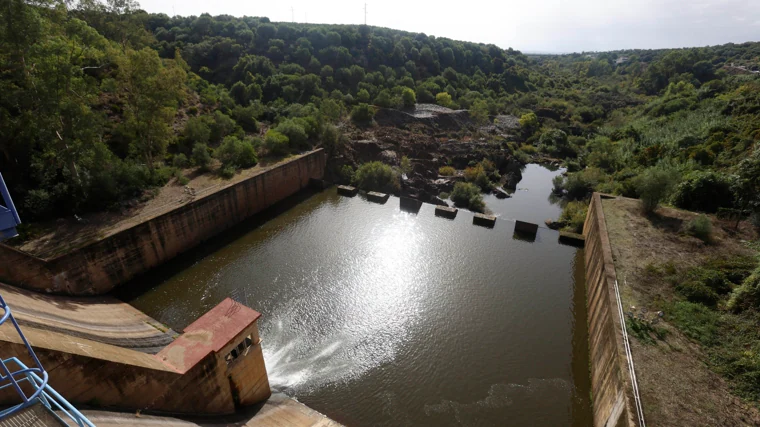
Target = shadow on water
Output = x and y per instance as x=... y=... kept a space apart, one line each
x=140 y=284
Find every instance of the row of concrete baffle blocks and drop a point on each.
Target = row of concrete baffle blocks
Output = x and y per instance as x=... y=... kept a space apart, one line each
x=523 y=230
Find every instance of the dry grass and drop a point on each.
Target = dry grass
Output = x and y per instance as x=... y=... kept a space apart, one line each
x=677 y=385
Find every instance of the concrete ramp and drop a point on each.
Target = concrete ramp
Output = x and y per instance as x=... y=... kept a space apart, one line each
x=102 y=319
x=279 y=410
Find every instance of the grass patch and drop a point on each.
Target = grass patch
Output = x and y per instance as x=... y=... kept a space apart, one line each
x=645 y=331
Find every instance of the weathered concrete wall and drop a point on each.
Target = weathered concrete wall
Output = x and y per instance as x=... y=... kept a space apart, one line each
x=612 y=391
x=190 y=376
x=99 y=267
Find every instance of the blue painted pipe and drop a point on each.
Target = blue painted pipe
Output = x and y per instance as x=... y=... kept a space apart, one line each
x=9 y=218
x=8 y=201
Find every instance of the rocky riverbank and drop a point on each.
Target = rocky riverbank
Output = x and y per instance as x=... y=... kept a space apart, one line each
x=431 y=138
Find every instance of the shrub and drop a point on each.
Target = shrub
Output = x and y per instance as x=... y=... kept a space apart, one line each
x=696 y=321
x=574 y=215
x=201 y=156
x=236 y=153
x=444 y=99
x=701 y=228
x=346 y=174
x=704 y=192
x=446 y=171
x=713 y=279
x=296 y=133
x=376 y=176
x=748 y=294
x=558 y=183
x=654 y=185
x=180 y=161
x=555 y=143
x=408 y=97
x=362 y=114
x=276 y=143
x=444 y=195
x=528 y=149
x=227 y=172
x=696 y=291
x=468 y=195
x=579 y=185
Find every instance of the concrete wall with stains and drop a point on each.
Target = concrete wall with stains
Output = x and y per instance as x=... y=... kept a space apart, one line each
x=611 y=388
x=97 y=268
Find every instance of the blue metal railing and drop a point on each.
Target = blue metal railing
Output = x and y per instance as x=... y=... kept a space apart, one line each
x=13 y=374
x=9 y=218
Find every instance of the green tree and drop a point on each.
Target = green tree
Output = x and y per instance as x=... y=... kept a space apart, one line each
x=408 y=97
x=377 y=176
x=151 y=91
x=654 y=185
x=236 y=153
x=362 y=114
x=479 y=112
x=443 y=99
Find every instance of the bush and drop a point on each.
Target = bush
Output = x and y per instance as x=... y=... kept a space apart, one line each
x=362 y=114
x=377 y=176
x=446 y=171
x=276 y=143
x=701 y=228
x=296 y=133
x=696 y=291
x=654 y=185
x=574 y=216
x=704 y=192
x=579 y=185
x=408 y=97
x=468 y=195
x=236 y=153
x=180 y=161
x=201 y=156
x=346 y=174
x=558 y=183
x=748 y=294
x=227 y=172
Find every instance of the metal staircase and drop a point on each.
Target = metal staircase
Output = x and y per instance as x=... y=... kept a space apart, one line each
x=39 y=405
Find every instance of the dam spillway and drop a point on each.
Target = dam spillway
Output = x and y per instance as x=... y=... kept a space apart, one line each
x=375 y=316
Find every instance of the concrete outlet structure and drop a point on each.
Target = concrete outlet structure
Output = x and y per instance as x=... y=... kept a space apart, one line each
x=347 y=190
x=571 y=239
x=407 y=204
x=484 y=220
x=214 y=367
x=446 y=212
x=376 y=197
x=526 y=228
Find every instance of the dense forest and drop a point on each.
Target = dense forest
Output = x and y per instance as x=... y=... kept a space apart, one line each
x=102 y=100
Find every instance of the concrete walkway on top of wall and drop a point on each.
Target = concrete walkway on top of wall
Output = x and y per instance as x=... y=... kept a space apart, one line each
x=103 y=319
x=278 y=411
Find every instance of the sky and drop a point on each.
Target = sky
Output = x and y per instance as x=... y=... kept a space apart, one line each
x=548 y=26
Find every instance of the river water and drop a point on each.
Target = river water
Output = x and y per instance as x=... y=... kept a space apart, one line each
x=378 y=317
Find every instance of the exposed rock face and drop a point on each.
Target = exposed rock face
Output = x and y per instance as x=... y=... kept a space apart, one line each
x=430 y=136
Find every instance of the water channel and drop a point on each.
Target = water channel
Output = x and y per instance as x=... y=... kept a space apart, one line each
x=378 y=317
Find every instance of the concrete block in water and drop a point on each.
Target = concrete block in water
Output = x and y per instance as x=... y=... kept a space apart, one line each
x=572 y=239
x=526 y=227
x=446 y=212
x=410 y=205
x=525 y=231
x=484 y=220
x=376 y=197
x=347 y=190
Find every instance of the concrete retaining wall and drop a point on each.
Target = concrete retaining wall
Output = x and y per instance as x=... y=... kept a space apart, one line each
x=612 y=391
x=190 y=376
x=102 y=265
